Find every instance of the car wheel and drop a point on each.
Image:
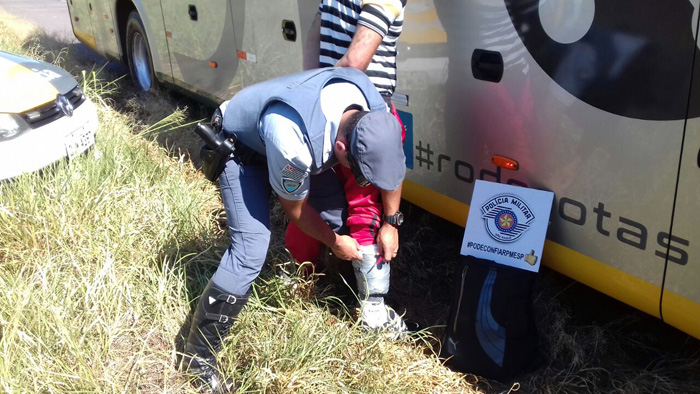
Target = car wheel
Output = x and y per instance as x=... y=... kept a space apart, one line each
x=139 y=54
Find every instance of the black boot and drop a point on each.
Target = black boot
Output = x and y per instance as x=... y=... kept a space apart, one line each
x=211 y=322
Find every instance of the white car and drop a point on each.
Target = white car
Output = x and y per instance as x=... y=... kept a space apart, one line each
x=44 y=115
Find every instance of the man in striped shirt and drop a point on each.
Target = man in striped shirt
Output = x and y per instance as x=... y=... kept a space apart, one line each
x=361 y=34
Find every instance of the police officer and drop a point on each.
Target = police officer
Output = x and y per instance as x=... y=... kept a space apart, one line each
x=287 y=129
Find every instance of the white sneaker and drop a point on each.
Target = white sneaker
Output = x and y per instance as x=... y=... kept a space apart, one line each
x=378 y=316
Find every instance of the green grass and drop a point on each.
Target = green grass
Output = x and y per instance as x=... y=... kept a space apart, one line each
x=93 y=255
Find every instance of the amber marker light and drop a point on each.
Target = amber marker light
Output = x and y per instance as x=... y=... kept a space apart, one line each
x=505 y=162
x=213 y=65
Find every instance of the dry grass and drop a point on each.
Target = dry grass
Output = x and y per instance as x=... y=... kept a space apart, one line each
x=101 y=259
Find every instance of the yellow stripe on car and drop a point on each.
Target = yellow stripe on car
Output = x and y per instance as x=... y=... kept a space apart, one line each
x=23 y=89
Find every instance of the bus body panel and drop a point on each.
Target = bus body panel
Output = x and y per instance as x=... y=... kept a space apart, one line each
x=104 y=29
x=265 y=51
x=681 y=298
x=80 y=20
x=606 y=170
x=202 y=46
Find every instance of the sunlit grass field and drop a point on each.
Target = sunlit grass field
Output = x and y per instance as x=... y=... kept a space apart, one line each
x=102 y=259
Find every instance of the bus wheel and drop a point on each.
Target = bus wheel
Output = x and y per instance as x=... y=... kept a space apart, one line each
x=139 y=54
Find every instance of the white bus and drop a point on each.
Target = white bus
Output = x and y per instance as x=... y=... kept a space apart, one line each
x=597 y=101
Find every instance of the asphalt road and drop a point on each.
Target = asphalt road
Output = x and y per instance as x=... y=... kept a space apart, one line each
x=50 y=15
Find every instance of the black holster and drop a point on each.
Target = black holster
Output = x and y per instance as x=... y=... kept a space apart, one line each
x=217 y=150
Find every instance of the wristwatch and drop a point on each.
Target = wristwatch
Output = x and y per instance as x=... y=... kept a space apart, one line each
x=395 y=220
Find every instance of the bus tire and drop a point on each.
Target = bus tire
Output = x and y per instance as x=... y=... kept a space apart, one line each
x=139 y=54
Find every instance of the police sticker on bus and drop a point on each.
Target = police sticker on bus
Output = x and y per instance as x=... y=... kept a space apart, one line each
x=507 y=224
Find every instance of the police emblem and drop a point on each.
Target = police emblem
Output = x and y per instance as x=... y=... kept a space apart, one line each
x=506 y=217
x=292 y=178
x=290 y=185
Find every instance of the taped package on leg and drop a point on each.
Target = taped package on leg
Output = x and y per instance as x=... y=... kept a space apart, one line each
x=372 y=273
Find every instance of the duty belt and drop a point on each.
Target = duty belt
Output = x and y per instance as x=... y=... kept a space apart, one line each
x=246 y=156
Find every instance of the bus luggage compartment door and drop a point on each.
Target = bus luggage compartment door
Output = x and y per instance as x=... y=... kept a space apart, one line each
x=681 y=294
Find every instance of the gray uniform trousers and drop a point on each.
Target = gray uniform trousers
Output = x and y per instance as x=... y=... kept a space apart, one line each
x=245 y=190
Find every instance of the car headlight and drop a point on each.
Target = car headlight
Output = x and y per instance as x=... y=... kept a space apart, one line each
x=11 y=126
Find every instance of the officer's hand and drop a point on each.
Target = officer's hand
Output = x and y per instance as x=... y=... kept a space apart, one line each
x=388 y=241
x=346 y=248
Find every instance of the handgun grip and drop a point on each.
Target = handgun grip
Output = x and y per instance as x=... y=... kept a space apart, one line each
x=215 y=141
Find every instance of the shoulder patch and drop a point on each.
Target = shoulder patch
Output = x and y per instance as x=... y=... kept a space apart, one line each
x=292 y=178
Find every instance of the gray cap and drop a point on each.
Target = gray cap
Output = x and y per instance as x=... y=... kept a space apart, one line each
x=376 y=146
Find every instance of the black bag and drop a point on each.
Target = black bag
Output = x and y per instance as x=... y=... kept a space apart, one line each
x=491 y=329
